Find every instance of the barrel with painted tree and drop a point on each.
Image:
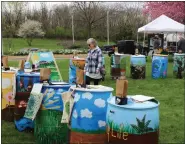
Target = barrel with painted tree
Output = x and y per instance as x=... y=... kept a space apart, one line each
x=138 y=66
x=178 y=66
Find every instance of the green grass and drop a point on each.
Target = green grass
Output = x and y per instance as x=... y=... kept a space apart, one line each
x=169 y=92
x=48 y=44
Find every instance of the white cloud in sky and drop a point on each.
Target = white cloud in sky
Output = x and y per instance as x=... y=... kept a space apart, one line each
x=87 y=95
x=77 y=97
x=99 y=103
x=6 y=82
x=44 y=55
x=101 y=123
x=86 y=113
x=75 y=114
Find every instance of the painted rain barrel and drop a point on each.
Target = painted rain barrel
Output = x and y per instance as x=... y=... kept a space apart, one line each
x=48 y=127
x=24 y=84
x=159 y=66
x=118 y=65
x=178 y=66
x=74 y=64
x=8 y=95
x=138 y=66
x=134 y=123
x=88 y=119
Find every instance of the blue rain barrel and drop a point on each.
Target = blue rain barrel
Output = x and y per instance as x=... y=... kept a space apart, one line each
x=88 y=119
x=159 y=66
x=48 y=127
x=132 y=123
x=178 y=66
x=138 y=66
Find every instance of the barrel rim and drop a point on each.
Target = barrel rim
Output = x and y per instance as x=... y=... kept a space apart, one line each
x=138 y=56
x=128 y=107
x=160 y=55
x=179 y=54
x=53 y=86
x=103 y=89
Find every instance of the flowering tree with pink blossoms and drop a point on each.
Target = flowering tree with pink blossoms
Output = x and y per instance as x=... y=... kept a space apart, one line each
x=174 y=10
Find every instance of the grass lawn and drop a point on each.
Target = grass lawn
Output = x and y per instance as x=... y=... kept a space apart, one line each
x=49 y=44
x=169 y=92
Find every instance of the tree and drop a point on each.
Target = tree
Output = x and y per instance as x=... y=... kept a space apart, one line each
x=29 y=30
x=174 y=10
x=89 y=13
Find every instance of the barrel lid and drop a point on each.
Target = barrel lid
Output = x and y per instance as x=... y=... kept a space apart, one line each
x=93 y=88
x=138 y=56
x=131 y=104
x=160 y=55
x=179 y=54
x=119 y=54
x=53 y=86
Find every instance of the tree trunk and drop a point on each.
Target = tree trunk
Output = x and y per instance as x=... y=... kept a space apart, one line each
x=89 y=30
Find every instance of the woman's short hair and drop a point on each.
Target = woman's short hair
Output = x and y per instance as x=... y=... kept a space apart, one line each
x=92 y=41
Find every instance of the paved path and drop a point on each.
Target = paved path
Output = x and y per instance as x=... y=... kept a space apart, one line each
x=17 y=58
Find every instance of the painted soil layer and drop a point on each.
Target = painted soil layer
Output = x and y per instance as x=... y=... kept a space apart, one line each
x=85 y=138
x=148 y=138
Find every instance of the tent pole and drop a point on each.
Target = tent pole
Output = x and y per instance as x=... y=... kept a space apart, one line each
x=144 y=40
x=137 y=37
x=176 y=41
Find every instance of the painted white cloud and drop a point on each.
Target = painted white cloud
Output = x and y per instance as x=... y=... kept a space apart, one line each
x=75 y=114
x=6 y=82
x=99 y=103
x=86 y=113
x=101 y=123
x=87 y=95
x=50 y=90
x=77 y=97
x=44 y=55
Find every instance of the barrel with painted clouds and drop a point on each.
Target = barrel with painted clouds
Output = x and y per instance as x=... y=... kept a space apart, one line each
x=88 y=119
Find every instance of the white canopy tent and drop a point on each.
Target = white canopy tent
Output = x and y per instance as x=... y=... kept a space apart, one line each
x=162 y=24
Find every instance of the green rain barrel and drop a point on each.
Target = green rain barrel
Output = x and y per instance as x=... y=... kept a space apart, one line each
x=138 y=66
x=178 y=66
x=48 y=127
x=133 y=123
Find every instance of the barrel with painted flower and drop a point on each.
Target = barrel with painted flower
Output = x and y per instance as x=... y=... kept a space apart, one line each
x=8 y=95
x=159 y=66
x=24 y=84
x=179 y=65
x=48 y=127
x=133 y=123
x=88 y=119
x=138 y=66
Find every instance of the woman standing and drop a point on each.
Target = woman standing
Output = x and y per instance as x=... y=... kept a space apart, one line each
x=93 y=63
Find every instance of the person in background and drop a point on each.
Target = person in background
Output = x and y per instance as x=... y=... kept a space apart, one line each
x=93 y=63
x=156 y=44
x=181 y=45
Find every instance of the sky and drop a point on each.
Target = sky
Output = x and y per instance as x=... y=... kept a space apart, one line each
x=51 y=4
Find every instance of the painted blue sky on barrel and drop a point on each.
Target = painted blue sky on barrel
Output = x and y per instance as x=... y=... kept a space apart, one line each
x=89 y=112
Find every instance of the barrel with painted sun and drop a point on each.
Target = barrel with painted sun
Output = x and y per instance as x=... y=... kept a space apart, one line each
x=179 y=66
x=138 y=66
x=133 y=123
x=159 y=66
x=88 y=119
x=48 y=127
